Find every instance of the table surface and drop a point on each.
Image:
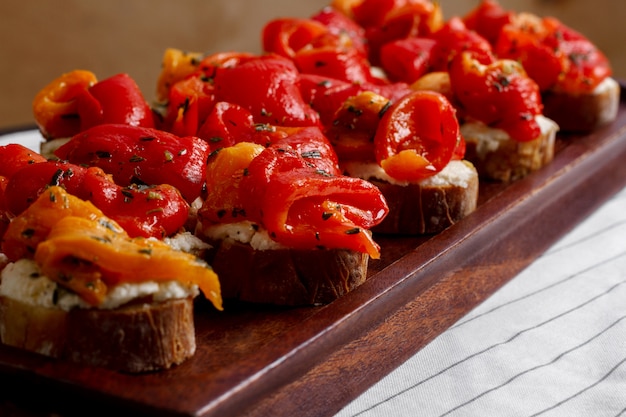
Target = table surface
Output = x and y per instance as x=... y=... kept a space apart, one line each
x=551 y=342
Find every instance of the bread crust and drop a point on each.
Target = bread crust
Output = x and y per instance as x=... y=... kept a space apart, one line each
x=510 y=160
x=583 y=112
x=286 y=277
x=424 y=208
x=139 y=337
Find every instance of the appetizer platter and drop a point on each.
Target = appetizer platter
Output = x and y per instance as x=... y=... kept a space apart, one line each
x=279 y=231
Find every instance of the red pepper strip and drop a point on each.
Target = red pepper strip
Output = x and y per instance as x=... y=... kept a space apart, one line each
x=175 y=66
x=268 y=86
x=554 y=55
x=141 y=155
x=304 y=208
x=190 y=101
x=76 y=101
x=15 y=156
x=340 y=25
x=389 y=20
x=316 y=49
x=488 y=19
x=586 y=65
x=287 y=36
x=189 y=90
x=330 y=61
x=311 y=144
x=452 y=38
x=407 y=59
x=82 y=249
x=143 y=211
x=417 y=136
x=498 y=93
x=156 y=211
x=55 y=108
x=229 y=124
x=226 y=125
x=327 y=95
x=117 y=99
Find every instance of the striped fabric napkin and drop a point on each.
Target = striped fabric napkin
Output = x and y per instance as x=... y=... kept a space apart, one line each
x=551 y=342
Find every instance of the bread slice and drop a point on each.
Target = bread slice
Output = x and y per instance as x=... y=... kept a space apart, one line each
x=499 y=157
x=254 y=269
x=586 y=111
x=426 y=207
x=153 y=331
x=135 y=338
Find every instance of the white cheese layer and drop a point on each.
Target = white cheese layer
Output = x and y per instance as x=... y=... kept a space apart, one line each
x=245 y=232
x=608 y=84
x=187 y=242
x=22 y=281
x=456 y=173
x=489 y=139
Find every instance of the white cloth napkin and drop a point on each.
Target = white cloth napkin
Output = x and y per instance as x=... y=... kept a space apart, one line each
x=551 y=342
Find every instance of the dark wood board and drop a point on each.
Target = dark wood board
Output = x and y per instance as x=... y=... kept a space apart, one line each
x=312 y=361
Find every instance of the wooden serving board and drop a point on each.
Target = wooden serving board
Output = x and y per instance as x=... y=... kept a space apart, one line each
x=312 y=361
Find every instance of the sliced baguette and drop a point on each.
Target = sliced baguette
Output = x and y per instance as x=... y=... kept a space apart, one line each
x=253 y=269
x=140 y=327
x=134 y=338
x=427 y=207
x=583 y=112
x=499 y=157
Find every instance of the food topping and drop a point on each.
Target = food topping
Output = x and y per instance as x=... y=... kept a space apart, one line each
x=81 y=249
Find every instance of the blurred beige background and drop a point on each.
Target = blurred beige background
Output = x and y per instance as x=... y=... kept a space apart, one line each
x=42 y=39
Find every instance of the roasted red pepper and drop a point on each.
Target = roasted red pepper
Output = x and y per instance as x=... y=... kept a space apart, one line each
x=226 y=125
x=268 y=86
x=327 y=95
x=498 y=93
x=282 y=188
x=302 y=207
x=141 y=155
x=319 y=49
x=453 y=38
x=55 y=107
x=340 y=25
x=76 y=101
x=488 y=19
x=389 y=20
x=83 y=250
x=417 y=136
x=116 y=99
x=155 y=211
x=230 y=124
x=554 y=55
x=347 y=65
x=15 y=156
x=190 y=101
x=409 y=58
x=287 y=36
x=187 y=84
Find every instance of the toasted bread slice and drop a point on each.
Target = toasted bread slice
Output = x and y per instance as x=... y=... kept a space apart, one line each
x=253 y=268
x=426 y=207
x=586 y=111
x=499 y=157
x=135 y=338
x=153 y=331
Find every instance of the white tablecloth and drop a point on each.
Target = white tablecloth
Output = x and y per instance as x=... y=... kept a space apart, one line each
x=551 y=342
